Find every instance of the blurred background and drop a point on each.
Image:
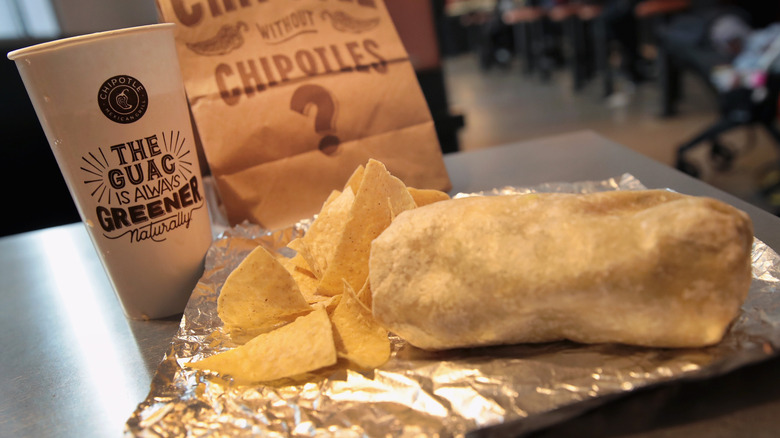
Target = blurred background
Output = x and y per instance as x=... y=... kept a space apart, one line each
x=692 y=84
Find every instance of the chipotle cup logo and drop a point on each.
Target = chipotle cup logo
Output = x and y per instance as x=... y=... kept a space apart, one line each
x=123 y=99
x=144 y=188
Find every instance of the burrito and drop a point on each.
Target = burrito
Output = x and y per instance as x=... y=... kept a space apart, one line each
x=650 y=268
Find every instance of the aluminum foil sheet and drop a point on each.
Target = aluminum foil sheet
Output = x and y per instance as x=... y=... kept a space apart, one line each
x=455 y=393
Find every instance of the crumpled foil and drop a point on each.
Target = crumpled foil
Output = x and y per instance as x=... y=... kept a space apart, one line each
x=515 y=388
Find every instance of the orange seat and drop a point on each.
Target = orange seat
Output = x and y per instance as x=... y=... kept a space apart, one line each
x=523 y=15
x=589 y=12
x=564 y=12
x=651 y=8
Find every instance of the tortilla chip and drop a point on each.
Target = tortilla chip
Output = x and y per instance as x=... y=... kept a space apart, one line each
x=299 y=263
x=327 y=303
x=356 y=179
x=305 y=279
x=319 y=242
x=333 y=195
x=380 y=197
x=359 y=338
x=364 y=295
x=264 y=297
x=302 y=346
x=427 y=196
x=259 y=294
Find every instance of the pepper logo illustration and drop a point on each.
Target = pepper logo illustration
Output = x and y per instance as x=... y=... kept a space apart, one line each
x=123 y=99
x=227 y=39
x=343 y=22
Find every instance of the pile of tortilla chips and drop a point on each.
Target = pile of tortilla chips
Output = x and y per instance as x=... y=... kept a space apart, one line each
x=301 y=314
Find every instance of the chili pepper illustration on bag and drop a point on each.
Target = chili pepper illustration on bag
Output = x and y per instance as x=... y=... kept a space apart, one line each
x=344 y=22
x=227 y=39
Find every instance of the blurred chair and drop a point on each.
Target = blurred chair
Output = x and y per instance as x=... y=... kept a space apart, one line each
x=597 y=25
x=658 y=13
x=476 y=17
x=589 y=54
x=542 y=31
x=550 y=32
x=631 y=29
x=526 y=23
x=586 y=48
x=566 y=15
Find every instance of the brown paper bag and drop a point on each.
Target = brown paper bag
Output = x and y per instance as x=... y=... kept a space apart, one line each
x=289 y=97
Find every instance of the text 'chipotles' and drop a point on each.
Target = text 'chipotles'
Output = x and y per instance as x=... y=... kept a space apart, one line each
x=252 y=75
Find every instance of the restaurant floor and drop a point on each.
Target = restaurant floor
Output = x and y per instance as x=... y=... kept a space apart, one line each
x=502 y=105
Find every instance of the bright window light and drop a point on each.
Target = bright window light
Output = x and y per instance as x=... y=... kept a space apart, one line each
x=28 y=18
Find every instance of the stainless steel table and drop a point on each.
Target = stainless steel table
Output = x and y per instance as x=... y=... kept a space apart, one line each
x=72 y=365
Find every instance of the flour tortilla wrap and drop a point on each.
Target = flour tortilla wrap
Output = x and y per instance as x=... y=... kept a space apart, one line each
x=650 y=268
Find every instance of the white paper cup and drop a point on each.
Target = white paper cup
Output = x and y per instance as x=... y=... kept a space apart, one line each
x=113 y=108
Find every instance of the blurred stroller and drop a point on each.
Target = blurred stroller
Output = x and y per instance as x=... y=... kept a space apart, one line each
x=741 y=64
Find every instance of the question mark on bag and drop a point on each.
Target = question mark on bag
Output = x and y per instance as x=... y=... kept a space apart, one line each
x=310 y=95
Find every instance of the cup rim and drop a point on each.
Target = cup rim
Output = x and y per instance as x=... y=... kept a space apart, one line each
x=81 y=39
